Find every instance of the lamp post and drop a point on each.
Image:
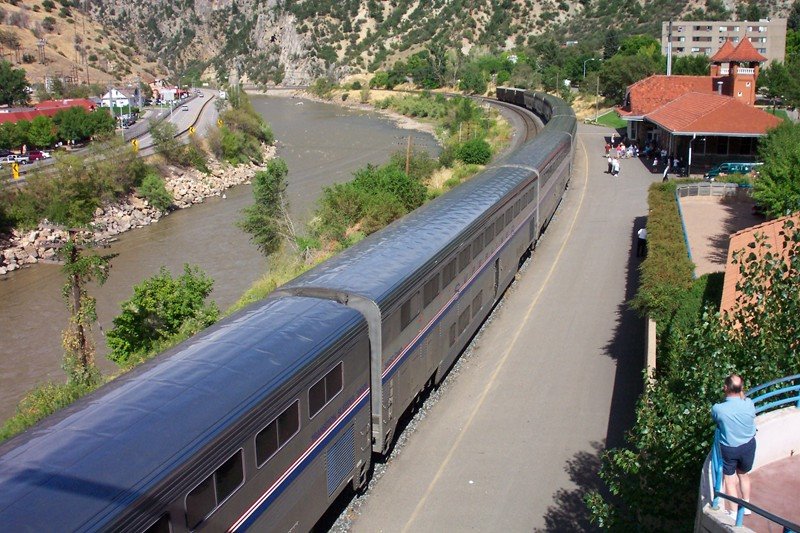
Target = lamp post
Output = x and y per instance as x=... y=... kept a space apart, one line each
x=584 y=64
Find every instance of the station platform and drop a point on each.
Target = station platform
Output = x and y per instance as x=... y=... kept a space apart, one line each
x=514 y=441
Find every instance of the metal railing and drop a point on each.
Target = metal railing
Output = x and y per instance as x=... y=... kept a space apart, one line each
x=770 y=396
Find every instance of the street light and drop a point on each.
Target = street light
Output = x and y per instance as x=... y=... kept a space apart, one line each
x=584 y=64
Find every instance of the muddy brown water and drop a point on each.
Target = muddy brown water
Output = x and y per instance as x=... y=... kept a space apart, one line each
x=322 y=144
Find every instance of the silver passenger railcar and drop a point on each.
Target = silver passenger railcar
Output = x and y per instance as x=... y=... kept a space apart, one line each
x=262 y=420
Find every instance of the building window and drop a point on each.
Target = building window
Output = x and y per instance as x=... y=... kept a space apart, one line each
x=747 y=84
x=739 y=93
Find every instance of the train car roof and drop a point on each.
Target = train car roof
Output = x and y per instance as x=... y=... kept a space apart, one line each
x=377 y=266
x=108 y=449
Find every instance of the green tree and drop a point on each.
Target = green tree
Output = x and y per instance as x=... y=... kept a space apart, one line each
x=640 y=45
x=379 y=80
x=475 y=152
x=75 y=124
x=473 y=80
x=80 y=269
x=611 y=43
x=653 y=479
x=793 y=20
x=42 y=132
x=777 y=188
x=621 y=71
x=154 y=191
x=13 y=85
x=267 y=220
x=750 y=10
x=691 y=66
x=10 y=136
x=161 y=307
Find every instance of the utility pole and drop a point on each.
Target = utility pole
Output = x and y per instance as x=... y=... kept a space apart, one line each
x=597 y=100
x=408 y=155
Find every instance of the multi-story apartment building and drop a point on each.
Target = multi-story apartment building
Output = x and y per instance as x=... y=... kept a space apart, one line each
x=692 y=37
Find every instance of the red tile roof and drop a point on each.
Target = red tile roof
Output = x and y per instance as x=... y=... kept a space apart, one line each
x=651 y=93
x=745 y=52
x=712 y=113
x=47 y=108
x=739 y=240
x=722 y=54
x=88 y=105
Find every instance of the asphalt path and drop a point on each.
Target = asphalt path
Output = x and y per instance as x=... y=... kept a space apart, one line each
x=514 y=442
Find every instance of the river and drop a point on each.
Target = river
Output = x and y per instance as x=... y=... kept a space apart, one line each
x=321 y=143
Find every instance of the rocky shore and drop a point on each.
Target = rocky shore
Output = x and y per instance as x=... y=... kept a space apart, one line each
x=188 y=187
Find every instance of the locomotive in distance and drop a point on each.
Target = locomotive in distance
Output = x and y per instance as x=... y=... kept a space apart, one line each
x=260 y=421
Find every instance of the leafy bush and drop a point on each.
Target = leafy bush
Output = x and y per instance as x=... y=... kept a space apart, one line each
x=154 y=191
x=475 y=152
x=667 y=270
x=265 y=219
x=42 y=402
x=161 y=306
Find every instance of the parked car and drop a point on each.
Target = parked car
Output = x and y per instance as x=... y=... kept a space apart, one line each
x=185 y=108
x=36 y=155
x=22 y=159
x=731 y=167
x=10 y=158
x=5 y=153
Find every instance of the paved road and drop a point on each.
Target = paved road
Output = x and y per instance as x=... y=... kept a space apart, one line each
x=513 y=443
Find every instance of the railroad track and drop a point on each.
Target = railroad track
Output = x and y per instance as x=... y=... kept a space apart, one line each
x=531 y=125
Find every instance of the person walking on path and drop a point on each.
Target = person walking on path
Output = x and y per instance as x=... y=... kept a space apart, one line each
x=736 y=420
x=641 y=243
x=610 y=164
x=615 y=167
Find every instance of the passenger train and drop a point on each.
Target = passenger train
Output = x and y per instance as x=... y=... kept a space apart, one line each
x=261 y=421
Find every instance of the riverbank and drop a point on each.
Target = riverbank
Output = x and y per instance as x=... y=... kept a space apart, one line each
x=188 y=187
x=352 y=101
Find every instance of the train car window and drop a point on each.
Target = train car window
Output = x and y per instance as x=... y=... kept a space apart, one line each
x=409 y=311
x=477 y=303
x=498 y=226
x=452 y=334
x=430 y=290
x=464 y=257
x=161 y=525
x=214 y=490
x=200 y=502
x=477 y=246
x=324 y=390
x=509 y=215
x=277 y=433
x=488 y=235
x=229 y=477
x=463 y=321
x=448 y=273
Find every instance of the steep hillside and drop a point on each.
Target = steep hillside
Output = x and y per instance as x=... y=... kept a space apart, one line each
x=57 y=40
x=292 y=42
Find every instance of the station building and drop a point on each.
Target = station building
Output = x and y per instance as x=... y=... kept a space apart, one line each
x=706 y=118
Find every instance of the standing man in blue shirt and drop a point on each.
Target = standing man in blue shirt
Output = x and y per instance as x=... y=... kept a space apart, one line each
x=736 y=419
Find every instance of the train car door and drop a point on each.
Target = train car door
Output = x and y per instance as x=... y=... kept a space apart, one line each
x=496 y=276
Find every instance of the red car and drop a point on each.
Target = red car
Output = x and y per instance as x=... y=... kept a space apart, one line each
x=36 y=155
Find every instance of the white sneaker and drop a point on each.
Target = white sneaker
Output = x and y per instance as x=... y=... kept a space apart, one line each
x=746 y=510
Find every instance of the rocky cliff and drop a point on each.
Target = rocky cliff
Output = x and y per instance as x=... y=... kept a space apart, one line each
x=291 y=42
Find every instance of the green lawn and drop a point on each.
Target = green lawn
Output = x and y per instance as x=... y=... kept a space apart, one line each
x=612 y=120
x=780 y=113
